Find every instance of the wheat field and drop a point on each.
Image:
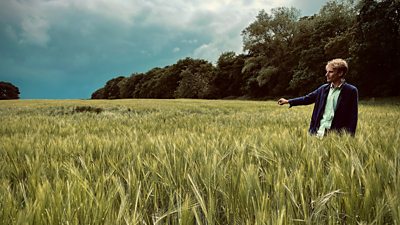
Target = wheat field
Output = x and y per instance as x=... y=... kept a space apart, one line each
x=182 y=161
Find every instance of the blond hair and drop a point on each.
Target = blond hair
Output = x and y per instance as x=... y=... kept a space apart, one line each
x=339 y=65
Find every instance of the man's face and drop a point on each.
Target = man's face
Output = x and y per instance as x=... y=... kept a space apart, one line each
x=332 y=75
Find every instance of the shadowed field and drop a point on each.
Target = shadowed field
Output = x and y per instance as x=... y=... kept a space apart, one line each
x=194 y=162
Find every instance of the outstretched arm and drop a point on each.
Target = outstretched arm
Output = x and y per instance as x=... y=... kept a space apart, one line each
x=283 y=101
x=305 y=100
x=309 y=98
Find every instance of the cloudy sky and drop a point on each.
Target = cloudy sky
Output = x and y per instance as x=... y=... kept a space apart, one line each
x=65 y=49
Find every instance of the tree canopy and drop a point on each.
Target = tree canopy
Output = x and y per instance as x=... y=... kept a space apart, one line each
x=8 y=91
x=285 y=54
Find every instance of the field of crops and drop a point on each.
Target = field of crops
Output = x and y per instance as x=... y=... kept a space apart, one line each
x=194 y=162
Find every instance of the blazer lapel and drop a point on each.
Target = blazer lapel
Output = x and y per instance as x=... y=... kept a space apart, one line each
x=340 y=96
x=323 y=101
x=325 y=95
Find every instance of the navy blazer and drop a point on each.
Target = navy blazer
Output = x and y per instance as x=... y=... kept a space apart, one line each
x=346 y=113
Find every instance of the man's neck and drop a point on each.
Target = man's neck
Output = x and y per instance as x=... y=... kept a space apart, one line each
x=337 y=83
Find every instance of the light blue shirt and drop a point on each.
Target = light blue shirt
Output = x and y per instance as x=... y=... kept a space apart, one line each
x=330 y=108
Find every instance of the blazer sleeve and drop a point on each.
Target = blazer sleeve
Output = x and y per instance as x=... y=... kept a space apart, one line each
x=307 y=99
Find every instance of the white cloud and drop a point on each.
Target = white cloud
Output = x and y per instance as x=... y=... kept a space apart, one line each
x=206 y=51
x=212 y=50
x=176 y=50
x=220 y=19
x=192 y=41
x=35 y=31
x=119 y=10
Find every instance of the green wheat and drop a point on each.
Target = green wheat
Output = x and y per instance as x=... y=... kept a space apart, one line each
x=194 y=162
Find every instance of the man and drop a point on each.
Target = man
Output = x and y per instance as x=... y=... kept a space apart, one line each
x=336 y=103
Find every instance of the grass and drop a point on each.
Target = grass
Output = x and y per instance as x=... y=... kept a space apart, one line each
x=194 y=162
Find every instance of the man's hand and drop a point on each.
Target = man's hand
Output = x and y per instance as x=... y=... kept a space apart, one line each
x=283 y=101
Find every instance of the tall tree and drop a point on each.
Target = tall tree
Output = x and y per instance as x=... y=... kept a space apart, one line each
x=318 y=39
x=228 y=76
x=268 y=41
x=377 y=48
x=165 y=83
x=196 y=80
x=112 y=88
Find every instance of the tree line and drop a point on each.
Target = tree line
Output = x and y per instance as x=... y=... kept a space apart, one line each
x=285 y=55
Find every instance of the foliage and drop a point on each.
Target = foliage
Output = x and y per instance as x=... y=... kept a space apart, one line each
x=286 y=55
x=8 y=91
x=318 y=39
x=268 y=41
x=377 y=49
x=229 y=80
x=196 y=80
x=184 y=161
x=98 y=94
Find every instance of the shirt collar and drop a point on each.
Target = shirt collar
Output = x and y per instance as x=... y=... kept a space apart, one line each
x=340 y=85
